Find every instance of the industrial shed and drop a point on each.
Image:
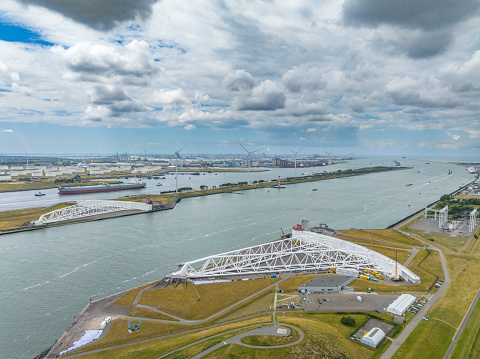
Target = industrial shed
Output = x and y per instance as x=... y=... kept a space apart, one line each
x=326 y=283
x=374 y=337
x=401 y=304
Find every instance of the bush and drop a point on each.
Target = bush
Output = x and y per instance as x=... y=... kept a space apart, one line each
x=348 y=321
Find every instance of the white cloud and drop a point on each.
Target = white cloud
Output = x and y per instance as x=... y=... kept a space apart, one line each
x=310 y=130
x=8 y=131
x=170 y=98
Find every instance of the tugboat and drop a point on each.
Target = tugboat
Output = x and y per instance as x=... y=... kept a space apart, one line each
x=39 y=194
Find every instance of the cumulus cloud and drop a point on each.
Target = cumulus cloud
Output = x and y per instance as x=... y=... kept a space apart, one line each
x=465 y=77
x=304 y=78
x=134 y=59
x=170 y=98
x=240 y=80
x=98 y=14
x=424 y=92
x=267 y=96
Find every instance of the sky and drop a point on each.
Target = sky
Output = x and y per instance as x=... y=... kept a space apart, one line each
x=374 y=77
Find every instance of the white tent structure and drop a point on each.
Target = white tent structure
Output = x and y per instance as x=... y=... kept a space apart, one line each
x=303 y=252
x=401 y=304
x=374 y=337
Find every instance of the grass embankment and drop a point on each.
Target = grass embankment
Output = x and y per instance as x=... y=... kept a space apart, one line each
x=118 y=335
x=203 y=300
x=431 y=339
x=468 y=345
x=19 y=217
x=271 y=340
x=387 y=242
x=325 y=337
x=460 y=244
x=128 y=298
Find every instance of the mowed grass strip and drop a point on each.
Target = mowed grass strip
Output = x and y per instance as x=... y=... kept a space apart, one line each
x=262 y=304
x=147 y=313
x=185 y=303
x=155 y=348
x=291 y=284
x=128 y=298
x=390 y=236
x=431 y=339
x=271 y=340
x=325 y=337
x=469 y=342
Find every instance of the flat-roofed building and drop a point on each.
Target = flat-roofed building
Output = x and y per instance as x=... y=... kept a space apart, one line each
x=326 y=283
x=401 y=304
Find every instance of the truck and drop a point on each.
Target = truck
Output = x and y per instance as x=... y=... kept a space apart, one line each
x=359 y=298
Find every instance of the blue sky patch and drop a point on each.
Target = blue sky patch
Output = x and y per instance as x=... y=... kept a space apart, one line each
x=13 y=33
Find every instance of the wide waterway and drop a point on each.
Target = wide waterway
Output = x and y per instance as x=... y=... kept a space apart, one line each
x=48 y=276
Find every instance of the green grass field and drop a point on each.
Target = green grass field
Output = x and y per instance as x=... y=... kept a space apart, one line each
x=213 y=297
x=118 y=335
x=468 y=345
x=431 y=339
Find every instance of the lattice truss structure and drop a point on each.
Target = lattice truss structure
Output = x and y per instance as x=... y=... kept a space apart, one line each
x=90 y=208
x=304 y=251
x=473 y=221
x=441 y=214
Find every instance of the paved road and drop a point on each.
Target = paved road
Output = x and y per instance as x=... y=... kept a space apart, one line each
x=269 y=330
x=98 y=311
x=461 y=327
x=397 y=342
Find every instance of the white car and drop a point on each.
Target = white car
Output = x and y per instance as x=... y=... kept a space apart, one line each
x=425 y=318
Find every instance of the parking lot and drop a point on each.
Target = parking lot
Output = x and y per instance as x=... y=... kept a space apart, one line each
x=374 y=323
x=347 y=302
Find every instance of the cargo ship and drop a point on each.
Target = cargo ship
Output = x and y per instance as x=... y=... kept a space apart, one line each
x=104 y=187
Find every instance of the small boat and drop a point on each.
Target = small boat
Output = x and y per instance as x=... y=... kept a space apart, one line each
x=181 y=264
x=427 y=163
x=39 y=194
x=449 y=172
x=315 y=189
x=418 y=171
x=159 y=184
x=409 y=184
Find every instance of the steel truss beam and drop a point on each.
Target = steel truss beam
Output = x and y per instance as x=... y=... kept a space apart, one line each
x=90 y=208
x=304 y=251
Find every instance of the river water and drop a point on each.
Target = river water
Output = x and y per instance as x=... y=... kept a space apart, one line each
x=48 y=276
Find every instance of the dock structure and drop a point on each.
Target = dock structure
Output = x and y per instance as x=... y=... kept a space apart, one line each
x=89 y=208
x=305 y=251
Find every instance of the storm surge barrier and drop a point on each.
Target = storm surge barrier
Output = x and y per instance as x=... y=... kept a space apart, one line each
x=88 y=208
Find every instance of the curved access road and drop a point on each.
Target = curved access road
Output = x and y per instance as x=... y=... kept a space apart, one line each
x=397 y=342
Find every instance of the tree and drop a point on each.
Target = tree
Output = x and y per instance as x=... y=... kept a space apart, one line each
x=203 y=187
x=348 y=321
x=445 y=198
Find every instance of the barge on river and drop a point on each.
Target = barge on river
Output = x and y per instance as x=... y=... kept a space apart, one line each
x=104 y=187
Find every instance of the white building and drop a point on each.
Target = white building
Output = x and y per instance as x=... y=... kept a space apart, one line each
x=374 y=337
x=401 y=304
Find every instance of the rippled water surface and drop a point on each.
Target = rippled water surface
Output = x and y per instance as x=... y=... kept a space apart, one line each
x=48 y=276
